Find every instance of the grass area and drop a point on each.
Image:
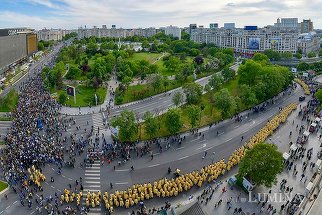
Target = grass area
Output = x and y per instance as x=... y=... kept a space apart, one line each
x=4 y=118
x=151 y=58
x=2 y=142
x=3 y=185
x=9 y=102
x=138 y=92
x=209 y=115
x=85 y=96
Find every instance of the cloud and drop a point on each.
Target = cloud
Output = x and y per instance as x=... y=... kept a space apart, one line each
x=46 y=3
x=146 y=13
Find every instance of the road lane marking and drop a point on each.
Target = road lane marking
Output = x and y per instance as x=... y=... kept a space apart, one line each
x=201 y=147
x=122 y=183
x=92 y=174
x=183 y=157
x=93 y=185
x=154 y=165
x=120 y=170
x=94 y=182
x=229 y=139
x=92 y=178
x=63 y=176
x=93 y=170
x=180 y=148
x=70 y=179
x=236 y=126
x=221 y=133
x=157 y=153
x=53 y=187
x=15 y=202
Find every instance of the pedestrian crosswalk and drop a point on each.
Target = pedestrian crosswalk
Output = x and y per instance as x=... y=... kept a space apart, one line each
x=92 y=183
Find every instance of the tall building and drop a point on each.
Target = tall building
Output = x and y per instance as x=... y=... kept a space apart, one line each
x=16 y=45
x=252 y=39
x=287 y=24
x=173 y=30
x=306 y=26
x=213 y=25
x=229 y=25
x=192 y=28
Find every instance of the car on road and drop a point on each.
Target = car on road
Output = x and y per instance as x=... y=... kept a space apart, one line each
x=301 y=98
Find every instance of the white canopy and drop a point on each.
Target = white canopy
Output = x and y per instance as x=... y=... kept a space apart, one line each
x=286 y=156
x=306 y=133
x=314 y=124
x=317 y=119
x=293 y=147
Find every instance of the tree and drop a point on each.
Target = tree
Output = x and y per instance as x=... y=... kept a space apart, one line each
x=262 y=164
x=311 y=55
x=272 y=55
x=193 y=92
x=73 y=72
x=318 y=95
x=298 y=55
x=173 y=64
x=225 y=102
x=157 y=81
x=151 y=124
x=41 y=46
x=145 y=44
x=126 y=125
x=248 y=96
x=228 y=74
x=216 y=81
x=62 y=98
x=92 y=48
x=249 y=72
x=287 y=55
x=320 y=53
x=198 y=60
x=177 y=98
x=173 y=121
x=193 y=113
x=303 y=66
x=261 y=58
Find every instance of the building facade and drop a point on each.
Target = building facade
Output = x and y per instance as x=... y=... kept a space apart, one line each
x=173 y=30
x=50 y=34
x=114 y=32
x=284 y=36
x=306 y=26
x=15 y=45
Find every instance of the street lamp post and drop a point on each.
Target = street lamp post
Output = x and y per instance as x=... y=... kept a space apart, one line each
x=213 y=157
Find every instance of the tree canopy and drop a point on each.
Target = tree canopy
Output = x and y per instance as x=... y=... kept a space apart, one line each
x=173 y=121
x=262 y=164
x=126 y=125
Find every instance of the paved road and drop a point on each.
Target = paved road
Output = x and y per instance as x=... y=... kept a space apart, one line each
x=156 y=104
x=34 y=69
x=186 y=156
x=4 y=126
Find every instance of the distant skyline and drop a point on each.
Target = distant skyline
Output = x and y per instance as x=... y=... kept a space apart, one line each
x=71 y=14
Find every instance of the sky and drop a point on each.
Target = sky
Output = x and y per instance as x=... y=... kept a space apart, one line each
x=71 y=14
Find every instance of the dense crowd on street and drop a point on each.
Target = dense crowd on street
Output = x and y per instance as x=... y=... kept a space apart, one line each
x=34 y=140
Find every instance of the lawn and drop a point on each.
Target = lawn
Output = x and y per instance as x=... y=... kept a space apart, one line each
x=138 y=92
x=150 y=57
x=5 y=118
x=3 y=185
x=85 y=96
x=9 y=102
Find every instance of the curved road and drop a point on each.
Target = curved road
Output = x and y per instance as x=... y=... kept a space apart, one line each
x=187 y=156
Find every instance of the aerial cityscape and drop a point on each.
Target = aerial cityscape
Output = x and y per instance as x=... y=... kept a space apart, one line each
x=160 y=107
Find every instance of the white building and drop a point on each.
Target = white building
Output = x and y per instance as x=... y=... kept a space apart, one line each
x=309 y=42
x=173 y=30
x=50 y=34
x=288 y=23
